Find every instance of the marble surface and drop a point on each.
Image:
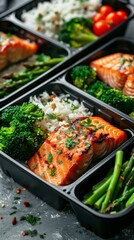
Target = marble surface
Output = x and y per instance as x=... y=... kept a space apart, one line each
x=57 y=225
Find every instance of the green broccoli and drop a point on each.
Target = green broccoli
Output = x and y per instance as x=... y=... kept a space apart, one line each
x=82 y=76
x=111 y=96
x=76 y=32
x=20 y=135
x=131 y=114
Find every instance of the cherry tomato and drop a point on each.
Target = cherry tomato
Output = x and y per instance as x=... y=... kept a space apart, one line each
x=101 y=27
x=105 y=10
x=113 y=19
x=122 y=15
x=98 y=16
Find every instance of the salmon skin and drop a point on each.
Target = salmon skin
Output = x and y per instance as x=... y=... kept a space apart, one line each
x=14 y=49
x=114 y=69
x=70 y=148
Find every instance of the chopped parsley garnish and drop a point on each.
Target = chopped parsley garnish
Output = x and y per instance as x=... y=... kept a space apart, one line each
x=70 y=144
x=30 y=219
x=52 y=172
x=39 y=17
x=9 y=34
x=16 y=198
x=87 y=144
x=31 y=233
x=51 y=116
x=15 y=208
x=12 y=213
x=42 y=236
x=60 y=162
x=86 y=123
x=74 y=107
x=35 y=166
x=42 y=175
x=58 y=138
x=123 y=60
x=50 y=157
x=59 y=151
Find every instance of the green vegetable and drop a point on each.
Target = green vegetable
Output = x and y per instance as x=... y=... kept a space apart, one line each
x=82 y=76
x=111 y=96
x=123 y=176
x=129 y=181
x=33 y=220
x=20 y=137
x=105 y=196
x=114 y=179
x=31 y=71
x=131 y=114
x=130 y=200
x=76 y=32
x=119 y=203
x=98 y=193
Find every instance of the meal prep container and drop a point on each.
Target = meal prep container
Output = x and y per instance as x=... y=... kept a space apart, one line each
x=119 y=44
x=57 y=196
x=45 y=46
x=104 y=225
x=15 y=15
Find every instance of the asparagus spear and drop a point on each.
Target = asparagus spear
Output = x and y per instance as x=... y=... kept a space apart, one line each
x=98 y=203
x=98 y=193
x=115 y=205
x=50 y=62
x=129 y=181
x=114 y=179
x=130 y=200
x=123 y=177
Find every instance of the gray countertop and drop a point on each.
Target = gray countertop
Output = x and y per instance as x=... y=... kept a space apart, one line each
x=57 y=225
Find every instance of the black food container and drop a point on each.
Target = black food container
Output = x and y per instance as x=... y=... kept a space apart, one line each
x=46 y=47
x=57 y=196
x=119 y=44
x=104 y=225
x=15 y=15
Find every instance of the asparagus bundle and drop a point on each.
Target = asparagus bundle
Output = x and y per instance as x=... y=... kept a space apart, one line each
x=31 y=70
x=116 y=190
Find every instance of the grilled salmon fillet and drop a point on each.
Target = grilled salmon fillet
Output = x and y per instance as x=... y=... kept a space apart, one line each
x=69 y=149
x=114 y=69
x=14 y=49
x=128 y=89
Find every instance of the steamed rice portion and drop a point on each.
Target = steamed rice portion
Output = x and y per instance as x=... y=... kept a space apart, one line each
x=48 y=17
x=58 y=109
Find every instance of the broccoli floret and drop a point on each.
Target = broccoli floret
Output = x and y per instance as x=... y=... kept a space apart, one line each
x=111 y=96
x=25 y=112
x=82 y=76
x=131 y=114
x=21 y=137
x=76 y=32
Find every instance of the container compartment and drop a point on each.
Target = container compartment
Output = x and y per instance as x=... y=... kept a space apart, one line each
x=120 y=5
x=15 y=168
x=46 y=47
x=123 y=45
x=104 y=225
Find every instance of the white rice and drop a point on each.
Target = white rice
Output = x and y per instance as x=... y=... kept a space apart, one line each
x=62 y=107
x=48 y=17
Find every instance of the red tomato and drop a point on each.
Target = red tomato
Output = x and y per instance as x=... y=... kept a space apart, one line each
x=98 y=16
x=105 y=10
x=113 y=19
x=122 y=15
x=100 y=28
